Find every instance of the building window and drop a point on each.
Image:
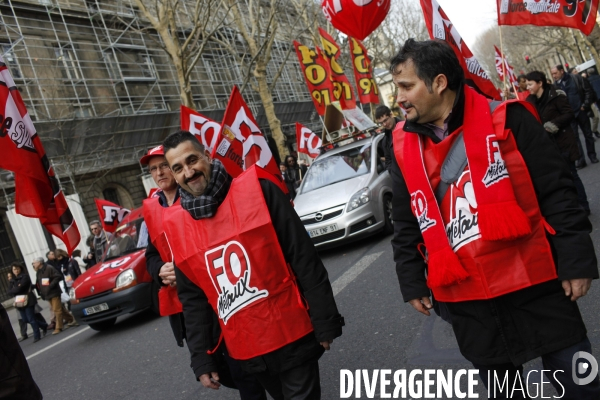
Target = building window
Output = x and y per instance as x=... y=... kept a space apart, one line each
x=111 y=195
x=68 y=63
x=9 y=58
x=130 y=65
x=83 y=111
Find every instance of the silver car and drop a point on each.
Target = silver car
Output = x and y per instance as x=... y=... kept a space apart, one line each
x=346 y=194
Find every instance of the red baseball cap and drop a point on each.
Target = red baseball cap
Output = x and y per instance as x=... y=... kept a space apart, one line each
x=156 y=151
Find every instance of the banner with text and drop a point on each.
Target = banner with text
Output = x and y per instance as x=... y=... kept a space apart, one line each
x=363 y=73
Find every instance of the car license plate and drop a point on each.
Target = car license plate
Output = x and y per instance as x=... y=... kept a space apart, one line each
x=95 y=309
x=322 y=231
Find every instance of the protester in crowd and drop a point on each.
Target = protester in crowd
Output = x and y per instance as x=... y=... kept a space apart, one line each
x=289 y=181
x=47 y=283
x=101 y=239
x=21 y=286
x=384 y=117
x=62 y=259
x=522 y=91
x=483 y=215
x=581 y=96
x=71 y=271
x=162 y=271
x=594 y=80
x=77 y=257
x=37 y=313
x=556 y=115
x=51 y=260
x=282 y=352
x=16 y=382
x=294 y=170
x=90 y=258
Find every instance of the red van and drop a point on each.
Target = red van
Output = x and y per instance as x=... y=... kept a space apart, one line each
x=120 y=284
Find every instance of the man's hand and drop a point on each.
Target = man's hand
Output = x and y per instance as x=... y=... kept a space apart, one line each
x=576 y=288
x=167 y=273
x=210 y=380
x=422 y=305
x=326 y=344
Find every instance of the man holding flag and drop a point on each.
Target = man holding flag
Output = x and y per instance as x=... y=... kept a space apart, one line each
x=254 y=266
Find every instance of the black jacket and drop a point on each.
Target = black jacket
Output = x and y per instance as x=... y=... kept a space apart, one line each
x=586 y=93
x=16 y=382
x=527 y=323
x=388 y=145
x=72 y=268
x=554 y=107
x=312 y=280
x=21 y=284
x=52 y=289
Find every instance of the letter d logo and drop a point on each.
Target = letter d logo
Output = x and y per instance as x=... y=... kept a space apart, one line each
x=583 y=368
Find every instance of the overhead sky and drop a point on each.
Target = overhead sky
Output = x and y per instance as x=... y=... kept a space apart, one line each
x=471 y=17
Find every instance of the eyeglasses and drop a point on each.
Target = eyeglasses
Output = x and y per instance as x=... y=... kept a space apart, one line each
x=163 y=167
x=383 y=121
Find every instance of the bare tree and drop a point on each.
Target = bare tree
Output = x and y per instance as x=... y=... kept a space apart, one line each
x=185 y=27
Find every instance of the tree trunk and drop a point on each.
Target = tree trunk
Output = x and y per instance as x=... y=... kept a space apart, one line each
x=184 y=88
x=594 y=39
x=260 y=73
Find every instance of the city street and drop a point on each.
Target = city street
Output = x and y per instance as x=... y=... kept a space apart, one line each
x=138 y=358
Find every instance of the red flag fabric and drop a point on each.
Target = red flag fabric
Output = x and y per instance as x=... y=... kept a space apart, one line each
x=111 y=214
x=38 y=193
x=363 y=73
x=307 y=141
x=356 y=18
x=205 y=129
x=241 y=144
x=342 y=91
x=440 y=27
x=510 y=72
x=317 y=76
x=578 y=14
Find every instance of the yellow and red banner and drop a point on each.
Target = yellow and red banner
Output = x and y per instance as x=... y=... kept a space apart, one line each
x=363 y=73
x=342 y=91
x=316 y=74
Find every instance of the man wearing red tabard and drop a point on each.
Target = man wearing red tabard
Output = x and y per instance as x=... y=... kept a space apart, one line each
x=486 y=219
x=242 y=252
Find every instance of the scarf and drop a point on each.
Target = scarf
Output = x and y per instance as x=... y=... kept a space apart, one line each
x=499 y=215
x=205 y=205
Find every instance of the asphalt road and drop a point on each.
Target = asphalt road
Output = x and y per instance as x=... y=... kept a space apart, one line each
x=138 y=358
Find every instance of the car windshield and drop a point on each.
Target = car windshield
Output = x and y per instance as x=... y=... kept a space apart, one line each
x=338 y=167
x=128 y=238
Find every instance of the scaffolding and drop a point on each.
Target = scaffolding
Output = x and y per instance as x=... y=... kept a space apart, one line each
x=100 y=88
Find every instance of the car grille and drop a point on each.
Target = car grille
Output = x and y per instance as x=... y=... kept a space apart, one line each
x=94 y=296
x=327 y=214
x=363 y=225
x=330 y=236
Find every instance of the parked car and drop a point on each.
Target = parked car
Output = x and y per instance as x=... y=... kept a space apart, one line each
x=120 y=283
x=346 y=194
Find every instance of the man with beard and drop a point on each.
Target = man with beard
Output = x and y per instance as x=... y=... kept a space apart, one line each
x=481 y=184
x=163 y=273
x=253 y=265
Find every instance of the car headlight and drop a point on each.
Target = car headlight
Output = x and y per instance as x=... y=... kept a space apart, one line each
x=72 y=294
x=125 y=278
x=358 y=199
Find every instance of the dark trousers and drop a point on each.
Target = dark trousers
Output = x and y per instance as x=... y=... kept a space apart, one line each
x=28 y=316
x=300 y=383
x=23 y=324
x=558 y=360
x=583 y=121
x=581 y=194
x=247 y=384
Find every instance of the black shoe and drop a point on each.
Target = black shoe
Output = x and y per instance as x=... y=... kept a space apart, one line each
x=23 y=338
x=580 y=165
x=597 y=134
x=44 y=331
x=593 y=160
x=36 y=340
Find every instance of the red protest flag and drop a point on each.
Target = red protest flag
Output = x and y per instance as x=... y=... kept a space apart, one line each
x=111 y=214
x=37 y=190
x=440 y=27
x=363 y=73
x=205 y=129
x=307 y=141
x=576 y=14
x=342 y=91
x=510 y=72
x=317 y=76
x=356 y=18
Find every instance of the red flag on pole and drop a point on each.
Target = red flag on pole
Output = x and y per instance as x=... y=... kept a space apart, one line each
x=307 y=141
x=440 y=27
x=510 y=71
x=578 y=14
x=342 y=91
x=317 y=76
x=205 y=129
x=111 y=214
x=38 y=193
x=363 y=73
x=241 y=144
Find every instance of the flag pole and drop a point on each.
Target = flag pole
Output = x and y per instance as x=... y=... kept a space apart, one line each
x=503 y=61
